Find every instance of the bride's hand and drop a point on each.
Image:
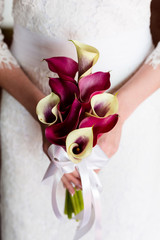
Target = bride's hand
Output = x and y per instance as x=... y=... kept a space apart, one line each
x=68 y=179
x=109 y=142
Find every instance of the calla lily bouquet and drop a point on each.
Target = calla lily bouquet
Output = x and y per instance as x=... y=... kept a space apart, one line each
x=78 y=111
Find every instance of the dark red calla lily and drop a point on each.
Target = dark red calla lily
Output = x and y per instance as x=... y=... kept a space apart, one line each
x=100 y=125
x=57 y=133
x=65 y=67
x=98 y=81
x=66 y=90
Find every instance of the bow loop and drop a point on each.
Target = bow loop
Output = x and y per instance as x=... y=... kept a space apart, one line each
x=91 y=185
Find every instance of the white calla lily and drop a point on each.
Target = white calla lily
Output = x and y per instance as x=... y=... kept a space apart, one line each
x=46 y=109
x=79 y=144
x=87 y=57
x=104 y=104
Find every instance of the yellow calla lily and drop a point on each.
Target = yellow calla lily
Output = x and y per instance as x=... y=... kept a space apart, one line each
x=87 y=57
x=46 y=109
x=79 y=144
x=103 y=105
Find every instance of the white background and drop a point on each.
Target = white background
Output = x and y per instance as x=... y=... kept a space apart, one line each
x=8 y=20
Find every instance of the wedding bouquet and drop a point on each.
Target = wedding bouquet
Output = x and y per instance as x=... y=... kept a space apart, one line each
x=77 y=112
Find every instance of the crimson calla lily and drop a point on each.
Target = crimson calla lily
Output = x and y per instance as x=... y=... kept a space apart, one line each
x=65 y=89
x=77 y=98
x=65 y=67
x=46 y=109
x=79 y=144
x=94 y=82
x=57 y=133
x=66 y=108
x=100 y=125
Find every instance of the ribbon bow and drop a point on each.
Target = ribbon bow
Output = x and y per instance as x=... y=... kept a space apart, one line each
x=91 y=186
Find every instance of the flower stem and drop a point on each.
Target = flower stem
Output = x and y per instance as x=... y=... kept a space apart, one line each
x=68 y=210
x=73 y=204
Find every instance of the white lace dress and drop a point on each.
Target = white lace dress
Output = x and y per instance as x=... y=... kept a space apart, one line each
x=131 y=180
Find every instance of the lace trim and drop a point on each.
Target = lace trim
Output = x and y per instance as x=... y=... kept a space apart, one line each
x=40 y=77
x=6 y=58
x=154 y=58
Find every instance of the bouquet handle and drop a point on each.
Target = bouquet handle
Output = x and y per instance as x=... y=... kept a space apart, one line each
x=90 y=184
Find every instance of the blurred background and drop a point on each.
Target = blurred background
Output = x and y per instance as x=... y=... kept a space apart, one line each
x=8 y=20
x=7 y=23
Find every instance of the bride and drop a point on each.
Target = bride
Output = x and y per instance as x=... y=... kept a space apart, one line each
x=131 y=192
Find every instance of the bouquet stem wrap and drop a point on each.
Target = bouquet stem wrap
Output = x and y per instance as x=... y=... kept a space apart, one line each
x=91 y=186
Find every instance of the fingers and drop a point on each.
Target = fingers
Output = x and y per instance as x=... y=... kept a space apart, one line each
x=97 y=171
x=76 y=173
x=68 y=185
x=70 y=180
x=74 y=180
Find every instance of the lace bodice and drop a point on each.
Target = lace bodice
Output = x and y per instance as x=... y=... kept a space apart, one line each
x=43 y=15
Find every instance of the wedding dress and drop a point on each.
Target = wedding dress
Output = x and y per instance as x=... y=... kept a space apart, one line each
x=131 y=180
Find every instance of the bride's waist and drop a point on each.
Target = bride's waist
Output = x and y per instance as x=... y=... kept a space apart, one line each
x=122 y=55
x=31 y=48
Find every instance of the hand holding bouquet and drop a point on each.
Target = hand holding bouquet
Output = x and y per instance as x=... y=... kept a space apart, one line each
x=76 y=114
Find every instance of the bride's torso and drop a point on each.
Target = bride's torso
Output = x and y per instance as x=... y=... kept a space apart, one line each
x=119 y=29
x=82 y=19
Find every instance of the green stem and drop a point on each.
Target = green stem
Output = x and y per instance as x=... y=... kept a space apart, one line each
x=80 y=199
x=66 y=204
x=73 y=204
x=68 y=210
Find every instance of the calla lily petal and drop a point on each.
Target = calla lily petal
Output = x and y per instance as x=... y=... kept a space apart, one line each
x=79 y=144
x=100 y=125
x=66 y=90
x=87 y=105
x=47 y=109
x=104 y=104
x=87 y=57
x=63 y=66
x=57 y=133
x=94 y=82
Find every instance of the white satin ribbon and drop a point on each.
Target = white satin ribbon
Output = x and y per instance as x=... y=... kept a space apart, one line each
x=60 y=164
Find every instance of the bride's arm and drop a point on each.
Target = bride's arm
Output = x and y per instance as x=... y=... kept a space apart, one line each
x=147 y=79
x=138 y=88
x=20 y=87
x=145 y=82
x=15 y=81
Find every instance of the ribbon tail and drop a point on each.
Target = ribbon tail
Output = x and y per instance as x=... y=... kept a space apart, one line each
x=81 y=232
x=51 y=170
x=54 y=199
x=97 y=210
x=87 y=197
x=95 y=216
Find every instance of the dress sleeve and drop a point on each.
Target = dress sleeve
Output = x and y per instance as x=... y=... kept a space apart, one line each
x=6 y=58
x=154 y=57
